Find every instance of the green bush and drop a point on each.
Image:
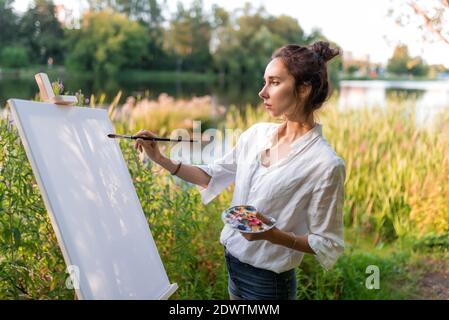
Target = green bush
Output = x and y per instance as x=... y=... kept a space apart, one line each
x=347 y=280
x=31 y=263
x=432 y=241
x=107 y=43
x=14 y=57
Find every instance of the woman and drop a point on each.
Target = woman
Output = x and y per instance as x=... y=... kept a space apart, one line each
x=287 y=171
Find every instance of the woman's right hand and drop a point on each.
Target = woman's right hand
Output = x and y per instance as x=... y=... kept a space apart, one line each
x=151 y=148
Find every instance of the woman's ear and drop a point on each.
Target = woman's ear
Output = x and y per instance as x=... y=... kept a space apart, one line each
x=304 y=91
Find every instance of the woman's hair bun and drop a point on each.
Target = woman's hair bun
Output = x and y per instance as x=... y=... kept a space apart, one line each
x=322 y=49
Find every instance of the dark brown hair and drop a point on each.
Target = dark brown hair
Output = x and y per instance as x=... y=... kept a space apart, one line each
x=307 y=64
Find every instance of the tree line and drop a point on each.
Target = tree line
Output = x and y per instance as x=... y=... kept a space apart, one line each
x=114 y=35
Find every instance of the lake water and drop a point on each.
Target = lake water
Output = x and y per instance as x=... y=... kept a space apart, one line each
x=428 y=97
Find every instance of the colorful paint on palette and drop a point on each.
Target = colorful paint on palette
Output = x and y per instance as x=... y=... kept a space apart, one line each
x=244 y=218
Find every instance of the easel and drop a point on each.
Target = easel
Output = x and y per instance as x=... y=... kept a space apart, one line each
x=47 y=94
x=21 y=110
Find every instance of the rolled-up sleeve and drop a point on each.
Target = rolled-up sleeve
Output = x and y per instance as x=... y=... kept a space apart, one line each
x=325 y=216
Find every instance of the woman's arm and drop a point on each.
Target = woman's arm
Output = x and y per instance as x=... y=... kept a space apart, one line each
x=286 y=239
x=186 y=172
x=291 y=240
x=325 y=216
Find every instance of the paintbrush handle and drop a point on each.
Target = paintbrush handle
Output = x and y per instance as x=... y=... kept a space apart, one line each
x=148 y=138
x=162 y=139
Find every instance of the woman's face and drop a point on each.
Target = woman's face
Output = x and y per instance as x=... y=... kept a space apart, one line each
x=278 y=92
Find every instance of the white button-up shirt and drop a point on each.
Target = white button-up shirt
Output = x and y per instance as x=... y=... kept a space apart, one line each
x=304 y=192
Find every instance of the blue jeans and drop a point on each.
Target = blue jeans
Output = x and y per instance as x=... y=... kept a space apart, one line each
x=246 y=282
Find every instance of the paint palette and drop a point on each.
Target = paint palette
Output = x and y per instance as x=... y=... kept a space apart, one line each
x=247 y=219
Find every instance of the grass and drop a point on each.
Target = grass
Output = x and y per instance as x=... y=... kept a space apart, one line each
x=165 y=114
x=396 y=209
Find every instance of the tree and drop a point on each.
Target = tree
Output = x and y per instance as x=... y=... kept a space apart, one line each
x=149 y=14
x=245 y=41
x=353 y=69
x=287 y=28
x=397 y=64
x=188 y=38
x=220 y=16
x=14 y=57
x=8 y=23
x=148 y=11
x=401 y=63
x=41 y=33
x=431 y=17
x=417 y=67
x=106 y=43
x=12 y=54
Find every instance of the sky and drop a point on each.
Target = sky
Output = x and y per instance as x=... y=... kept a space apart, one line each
x=359 y=26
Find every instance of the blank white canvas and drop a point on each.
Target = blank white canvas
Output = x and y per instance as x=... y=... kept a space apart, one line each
x=91 y=200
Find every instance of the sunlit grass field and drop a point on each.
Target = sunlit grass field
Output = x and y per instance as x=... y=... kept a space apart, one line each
x=396 y=209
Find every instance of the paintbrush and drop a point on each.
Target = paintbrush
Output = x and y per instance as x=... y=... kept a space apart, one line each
x=121 y=136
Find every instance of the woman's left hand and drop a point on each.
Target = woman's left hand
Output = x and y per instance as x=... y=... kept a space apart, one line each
x=267 y=235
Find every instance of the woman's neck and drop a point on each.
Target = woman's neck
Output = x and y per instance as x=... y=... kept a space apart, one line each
x=291 y=130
